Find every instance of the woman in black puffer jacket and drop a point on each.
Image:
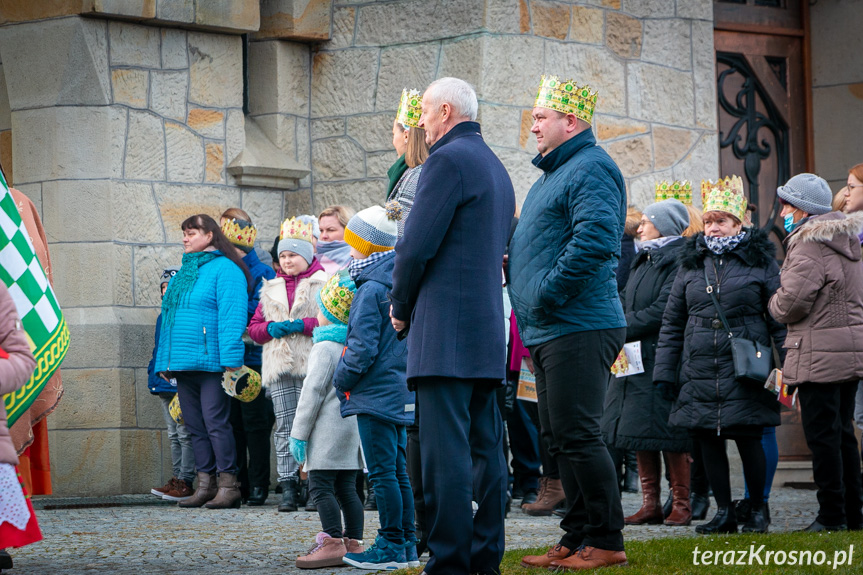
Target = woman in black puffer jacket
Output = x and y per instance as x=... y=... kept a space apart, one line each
x=693 y=358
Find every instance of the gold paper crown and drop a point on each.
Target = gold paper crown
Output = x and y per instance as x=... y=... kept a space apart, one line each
x=680 y=191
x=251 y=385
x=244 y=237
x=336 y=297
x=410 y=109
x=296 y=229
x=566 y=97
x=725 y=196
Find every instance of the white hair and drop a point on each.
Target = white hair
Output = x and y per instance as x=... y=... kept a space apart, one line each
x=455 y=92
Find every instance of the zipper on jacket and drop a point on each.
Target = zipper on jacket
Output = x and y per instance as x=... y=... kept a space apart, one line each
x=205 y=341
x=715 y=358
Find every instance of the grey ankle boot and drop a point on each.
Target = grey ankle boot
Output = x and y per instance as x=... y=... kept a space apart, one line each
x=229 y=495
x=206 y=491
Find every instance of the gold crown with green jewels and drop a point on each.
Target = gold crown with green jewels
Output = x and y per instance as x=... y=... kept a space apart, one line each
x=566 y=97
x=410 y=109
x=725 y=196
x=677 y=190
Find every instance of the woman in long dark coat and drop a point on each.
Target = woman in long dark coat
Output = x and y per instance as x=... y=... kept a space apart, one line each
x=636 y=413
x=693 y=358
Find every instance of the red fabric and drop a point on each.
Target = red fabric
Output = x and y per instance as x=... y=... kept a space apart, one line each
x=3 y=354
x=258 y=325
x=12 y=537
x=519 y=352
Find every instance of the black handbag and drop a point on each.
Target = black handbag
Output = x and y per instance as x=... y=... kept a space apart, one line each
x=753 y=361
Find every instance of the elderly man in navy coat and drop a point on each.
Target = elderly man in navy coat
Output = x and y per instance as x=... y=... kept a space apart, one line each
x=447 y=293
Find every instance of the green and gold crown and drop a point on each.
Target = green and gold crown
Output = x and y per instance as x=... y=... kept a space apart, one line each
x=243 y=383
x=566 y=97
x=336 y=297
x=240 y=233
x=680 y=191
x=724 y=196
x=296 y=229
x=410 y=109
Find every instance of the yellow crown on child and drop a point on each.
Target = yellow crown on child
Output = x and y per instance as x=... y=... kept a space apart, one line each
x=725 y=195
x=567 y=97
x=296 y=229
x=678 y=190
x=410 y=109
x=239 y=235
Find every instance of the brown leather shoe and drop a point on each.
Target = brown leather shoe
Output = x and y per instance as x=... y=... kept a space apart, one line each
x=544 y=561
x=651 y=509
x=548 y=501
x=590 y=558
x=229 y=496
x=206 y=491
x=180 y=491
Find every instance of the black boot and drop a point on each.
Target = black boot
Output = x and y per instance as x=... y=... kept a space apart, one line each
x=371 y=501
x=302 y=492
x=759 y=519
x=700 y=506
x=666 y=507
x=5 y=560
x=258 y=495
x=289 y=494
x=630 y=478
x=743 y=510
x=723 y=522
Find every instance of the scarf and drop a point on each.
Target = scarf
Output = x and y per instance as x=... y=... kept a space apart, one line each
x=395 y=174
x=337 y=251
x=183 y=282
x=724 y=244
x=655 y=244
x=333 y=332
x=357 y=266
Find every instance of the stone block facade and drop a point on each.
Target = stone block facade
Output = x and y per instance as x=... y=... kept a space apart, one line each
x=121 y=119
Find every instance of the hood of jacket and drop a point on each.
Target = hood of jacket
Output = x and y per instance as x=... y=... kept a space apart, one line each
x=756 y=250
x=838 y=231
x=381 y=272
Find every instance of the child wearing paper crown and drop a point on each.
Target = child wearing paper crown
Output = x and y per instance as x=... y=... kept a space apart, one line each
x=372 y=384
x=283 y=324
x=327 y=445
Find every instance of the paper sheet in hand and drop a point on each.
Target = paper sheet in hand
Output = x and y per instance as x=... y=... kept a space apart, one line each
x=628 y=361
x=526 y=384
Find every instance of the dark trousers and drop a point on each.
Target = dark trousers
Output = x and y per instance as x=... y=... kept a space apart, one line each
x=715 y=460
x=827 y=413
x=206 y=412
x=252 y=423
x=571 y=380
x=524 y=446
x=415 y=474
x=335 y=492
x=385 y=450
x=698 y=483
x=549 y=463
x=462 y=461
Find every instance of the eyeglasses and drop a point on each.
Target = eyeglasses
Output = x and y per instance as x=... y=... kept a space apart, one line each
x=852 y=186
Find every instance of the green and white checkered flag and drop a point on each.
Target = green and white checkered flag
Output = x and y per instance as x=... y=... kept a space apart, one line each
x=37 y=306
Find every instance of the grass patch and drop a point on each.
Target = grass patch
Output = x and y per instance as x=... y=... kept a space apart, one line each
x=674 y=556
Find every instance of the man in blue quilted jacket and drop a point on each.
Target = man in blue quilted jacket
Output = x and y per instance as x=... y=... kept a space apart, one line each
x=447 y=290
x=562 y=263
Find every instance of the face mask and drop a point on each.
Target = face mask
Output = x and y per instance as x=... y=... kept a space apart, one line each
x=789 y=222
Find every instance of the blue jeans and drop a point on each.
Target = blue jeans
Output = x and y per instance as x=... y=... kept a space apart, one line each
x=182 y=454
x=384 y=447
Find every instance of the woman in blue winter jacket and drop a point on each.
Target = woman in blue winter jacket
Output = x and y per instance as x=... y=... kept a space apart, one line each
x=203 y=319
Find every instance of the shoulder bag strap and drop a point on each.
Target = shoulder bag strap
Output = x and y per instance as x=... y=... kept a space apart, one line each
x=712 y=295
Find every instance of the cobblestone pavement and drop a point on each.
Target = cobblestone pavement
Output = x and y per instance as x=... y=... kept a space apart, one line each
x=135 y=540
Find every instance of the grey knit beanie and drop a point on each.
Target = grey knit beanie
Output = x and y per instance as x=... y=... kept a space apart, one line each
x=669 y=216
x=299 y=247
x=808 y=192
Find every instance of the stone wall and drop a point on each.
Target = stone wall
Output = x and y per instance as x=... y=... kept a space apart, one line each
x=129 y=120
x=837 y=89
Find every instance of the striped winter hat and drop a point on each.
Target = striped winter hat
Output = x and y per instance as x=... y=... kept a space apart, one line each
x=374 y=229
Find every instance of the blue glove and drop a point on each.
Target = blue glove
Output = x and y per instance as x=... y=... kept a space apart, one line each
x=298 y=450
x=279 y=329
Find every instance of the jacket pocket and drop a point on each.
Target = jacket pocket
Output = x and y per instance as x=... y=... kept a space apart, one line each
x=792 y=357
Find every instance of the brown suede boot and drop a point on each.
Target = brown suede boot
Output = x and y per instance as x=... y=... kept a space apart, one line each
x=551 y=498
x=543 y=481
x=678 y=472
x=556 y=553
x=206 y=490
x=651 y=509
x=229 y=495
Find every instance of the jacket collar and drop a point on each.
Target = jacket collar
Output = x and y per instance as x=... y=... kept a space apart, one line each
x=457 y=131
x=561 y=154
x=756 y=250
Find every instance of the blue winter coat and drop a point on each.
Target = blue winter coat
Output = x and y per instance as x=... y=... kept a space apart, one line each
x=447 y=277
x=563 y=255
x=209 y=324
x=155 y=383
x=259 y=271
x=370 y=377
